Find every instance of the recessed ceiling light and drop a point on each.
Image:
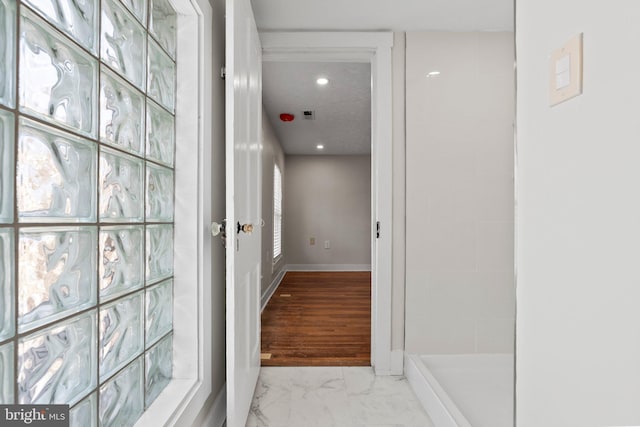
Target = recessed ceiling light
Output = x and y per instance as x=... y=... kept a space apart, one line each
x=322 y=81
x=320 y=147
x=433 y=73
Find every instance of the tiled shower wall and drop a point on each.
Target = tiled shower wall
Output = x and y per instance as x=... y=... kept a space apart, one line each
x=460 y=295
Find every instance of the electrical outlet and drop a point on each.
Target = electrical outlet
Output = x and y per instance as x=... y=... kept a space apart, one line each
x=327 y=244
x=312 y=241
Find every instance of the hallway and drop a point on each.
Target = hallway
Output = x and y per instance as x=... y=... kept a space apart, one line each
x=333 y=396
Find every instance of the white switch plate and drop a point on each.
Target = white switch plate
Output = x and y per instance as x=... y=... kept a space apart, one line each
x=327 y=244
x=565 y=71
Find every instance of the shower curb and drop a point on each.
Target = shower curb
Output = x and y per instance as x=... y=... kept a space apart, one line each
x=437 y=403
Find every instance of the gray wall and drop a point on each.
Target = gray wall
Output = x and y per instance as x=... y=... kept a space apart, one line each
x=271 y=155
x=460 y=295
x=578 y=232
x=327 y=198
x=217 y=328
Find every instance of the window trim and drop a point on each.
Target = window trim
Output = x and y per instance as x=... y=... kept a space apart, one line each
x=277 y=258
x=183 y=398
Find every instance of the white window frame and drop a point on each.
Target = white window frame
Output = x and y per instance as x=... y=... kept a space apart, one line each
x=181 y=401
x=277 y=257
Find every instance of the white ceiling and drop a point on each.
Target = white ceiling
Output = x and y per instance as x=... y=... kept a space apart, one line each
x=398 y=15
x=342 y=107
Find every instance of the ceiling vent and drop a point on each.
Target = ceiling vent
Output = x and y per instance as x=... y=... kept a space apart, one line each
x=309 y=115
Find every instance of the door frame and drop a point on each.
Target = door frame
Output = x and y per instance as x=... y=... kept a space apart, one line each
x=373 y=48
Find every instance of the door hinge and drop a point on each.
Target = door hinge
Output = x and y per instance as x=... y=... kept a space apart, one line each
x=223 y=73
x=378 y=230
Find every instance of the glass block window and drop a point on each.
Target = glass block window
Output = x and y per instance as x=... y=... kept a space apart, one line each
x=277 y=212
x=87 y=142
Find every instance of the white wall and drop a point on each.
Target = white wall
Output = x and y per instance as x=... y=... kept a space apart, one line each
x=399 y=220
x=271 y=155
x=578 y=215
x=460 y=295
x=328 y=198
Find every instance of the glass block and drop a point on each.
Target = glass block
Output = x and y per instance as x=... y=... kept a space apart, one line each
x=58 y=81
x=56 y=273
x=162 y=77
x=160 y=134
x=84 y=414
x=123 y=42
x=121 y=333
x=7 y=374
x=163 y=25
x=58 y=364
x=77 y=19
x=56 y=175
x=7 y=284
x=138 y=8
x=159 y=311
x=121 y=114
x=158 y=369
x=7 y=52
x=121 y=260
x=159 y=252
x=159 y=194
x=121 y=182
x=7 y=135
x=122 y=398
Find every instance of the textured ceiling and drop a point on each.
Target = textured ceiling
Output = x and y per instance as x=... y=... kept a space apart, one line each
x=342 y=108
x=398 y=15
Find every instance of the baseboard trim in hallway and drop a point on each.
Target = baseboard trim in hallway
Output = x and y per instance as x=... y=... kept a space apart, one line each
x=271 y=289
x=328 y=267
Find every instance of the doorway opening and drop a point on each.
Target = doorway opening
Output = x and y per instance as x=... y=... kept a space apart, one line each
x=317 y=212
x=344 y=51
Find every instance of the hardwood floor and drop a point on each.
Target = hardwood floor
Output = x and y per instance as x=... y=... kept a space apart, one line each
x=319 y=319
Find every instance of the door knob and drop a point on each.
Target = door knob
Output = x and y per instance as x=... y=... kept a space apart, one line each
x=217 y=228
x=245 y=228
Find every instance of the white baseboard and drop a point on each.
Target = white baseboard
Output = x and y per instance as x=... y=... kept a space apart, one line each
x=441 y=409
x=217 y=415
x=328 y=267
x=397 y=362
x=272 y=288
x=395 y=366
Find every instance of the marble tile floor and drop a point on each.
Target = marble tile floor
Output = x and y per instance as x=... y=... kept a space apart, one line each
x=333 y=397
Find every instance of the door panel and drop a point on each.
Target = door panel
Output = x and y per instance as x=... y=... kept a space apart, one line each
x=243 y=173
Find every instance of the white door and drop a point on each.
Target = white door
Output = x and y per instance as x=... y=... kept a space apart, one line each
x=243 y=175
